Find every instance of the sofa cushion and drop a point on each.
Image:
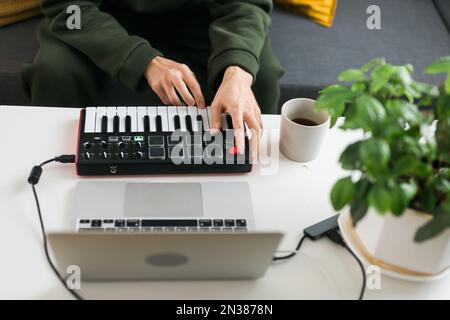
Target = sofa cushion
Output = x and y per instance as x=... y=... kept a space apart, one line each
x=443 y=7
x=411 y=31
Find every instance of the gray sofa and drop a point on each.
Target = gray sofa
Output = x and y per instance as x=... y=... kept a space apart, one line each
x=413 y=31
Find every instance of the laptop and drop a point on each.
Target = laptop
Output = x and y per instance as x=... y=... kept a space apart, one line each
x=166 y=255
x=110 y=206
x=163 y=231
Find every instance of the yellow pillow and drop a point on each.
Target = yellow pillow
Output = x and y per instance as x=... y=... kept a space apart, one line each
x=16 y=10
x=320 y=11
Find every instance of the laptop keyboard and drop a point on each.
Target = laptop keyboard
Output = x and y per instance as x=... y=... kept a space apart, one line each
x=147 y=225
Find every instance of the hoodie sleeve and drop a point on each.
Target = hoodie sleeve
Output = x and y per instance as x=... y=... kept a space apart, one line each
x=103 y=40
x=237 y=35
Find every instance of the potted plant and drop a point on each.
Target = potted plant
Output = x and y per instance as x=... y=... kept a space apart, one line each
x=398 y=187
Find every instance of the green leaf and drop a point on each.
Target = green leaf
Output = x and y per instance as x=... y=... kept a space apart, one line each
x=333 y=97
x=342 y=193
x=405 y=164
x=358 y=87
x=441 y=65
x=350 y=157
x=447 y=84
x=409 y=190
x=380 y=76
x=375 y=154
x=370 y=110
x=438 y=224
x=372 y=63
x=351 y=75
x=405 y=75
x=379 y=198
x=358 y=210
x=398 y=200
x=427 y=200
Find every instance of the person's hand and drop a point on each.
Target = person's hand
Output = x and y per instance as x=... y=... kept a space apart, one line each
x=235 y=96
x=167 y=77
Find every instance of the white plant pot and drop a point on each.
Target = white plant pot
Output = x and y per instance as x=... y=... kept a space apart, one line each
x=389 y=240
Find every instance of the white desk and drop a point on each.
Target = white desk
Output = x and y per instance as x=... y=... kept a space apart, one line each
x=291 y=199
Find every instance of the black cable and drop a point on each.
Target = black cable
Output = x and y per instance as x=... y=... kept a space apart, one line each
x=33 y=179
x=335 y=236
x=293 y=253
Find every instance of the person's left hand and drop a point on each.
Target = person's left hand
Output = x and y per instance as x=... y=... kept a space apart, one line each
x=235 y=96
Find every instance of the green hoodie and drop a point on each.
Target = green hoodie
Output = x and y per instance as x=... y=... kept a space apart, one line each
x=237 y=34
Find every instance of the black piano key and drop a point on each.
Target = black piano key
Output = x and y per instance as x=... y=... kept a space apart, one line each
x=177 y=121
x=128 y=123
x=200 y=122
x=158 y=123
x=188 y=120
x=146 y=123
x=104 y=124
x=116 y=123
x=229 y=121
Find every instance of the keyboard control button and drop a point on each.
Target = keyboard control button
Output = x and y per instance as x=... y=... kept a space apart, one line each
x=216 y=229
x=156 y=153
x=205 y=223
x=156 y=141
x=192 y=229
x=119 y=223
x=158 y=229
x=146 y=229
x=169 y=229
x=85 y=221
x=122 y=230
x=218 y=223
x=134 y=229
x=133 y=223
x=180 y=229
x=110 y=229
x=96 y=223
x=240 y=229
x=108 y=221
x=172 y=141
x=229 y=223
x=227 y=229
x=241 y=223
x=205 y=229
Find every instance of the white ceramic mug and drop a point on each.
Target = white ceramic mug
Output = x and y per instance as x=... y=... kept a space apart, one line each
x=299 y=142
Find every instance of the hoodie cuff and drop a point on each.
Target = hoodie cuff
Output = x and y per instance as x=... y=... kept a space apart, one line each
x=240 y=58
x=132 y=72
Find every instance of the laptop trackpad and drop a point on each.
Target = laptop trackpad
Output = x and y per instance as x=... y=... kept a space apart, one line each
x=163 y=200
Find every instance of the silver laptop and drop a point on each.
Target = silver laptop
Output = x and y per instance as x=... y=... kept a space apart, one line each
x=106 y=206
x=165 y=256
x=160 y=231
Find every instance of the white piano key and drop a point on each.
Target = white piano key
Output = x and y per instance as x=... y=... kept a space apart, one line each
x=152 y=112
x=122 y=113
x=89 y=120
x=110 y=113
x=204 y=115
x=162 y=111
x=101 y=111
x=171 y=113
x=132 y=112
x=182 y=112
x=141 y=113
x=192 y=111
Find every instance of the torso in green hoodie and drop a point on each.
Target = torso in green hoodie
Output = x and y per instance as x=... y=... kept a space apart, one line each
x=237 y=34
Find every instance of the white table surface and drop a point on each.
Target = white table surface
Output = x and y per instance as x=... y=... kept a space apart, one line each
x=289 y=199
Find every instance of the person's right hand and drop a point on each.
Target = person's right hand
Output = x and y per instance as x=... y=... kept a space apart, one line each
x=165 y=76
